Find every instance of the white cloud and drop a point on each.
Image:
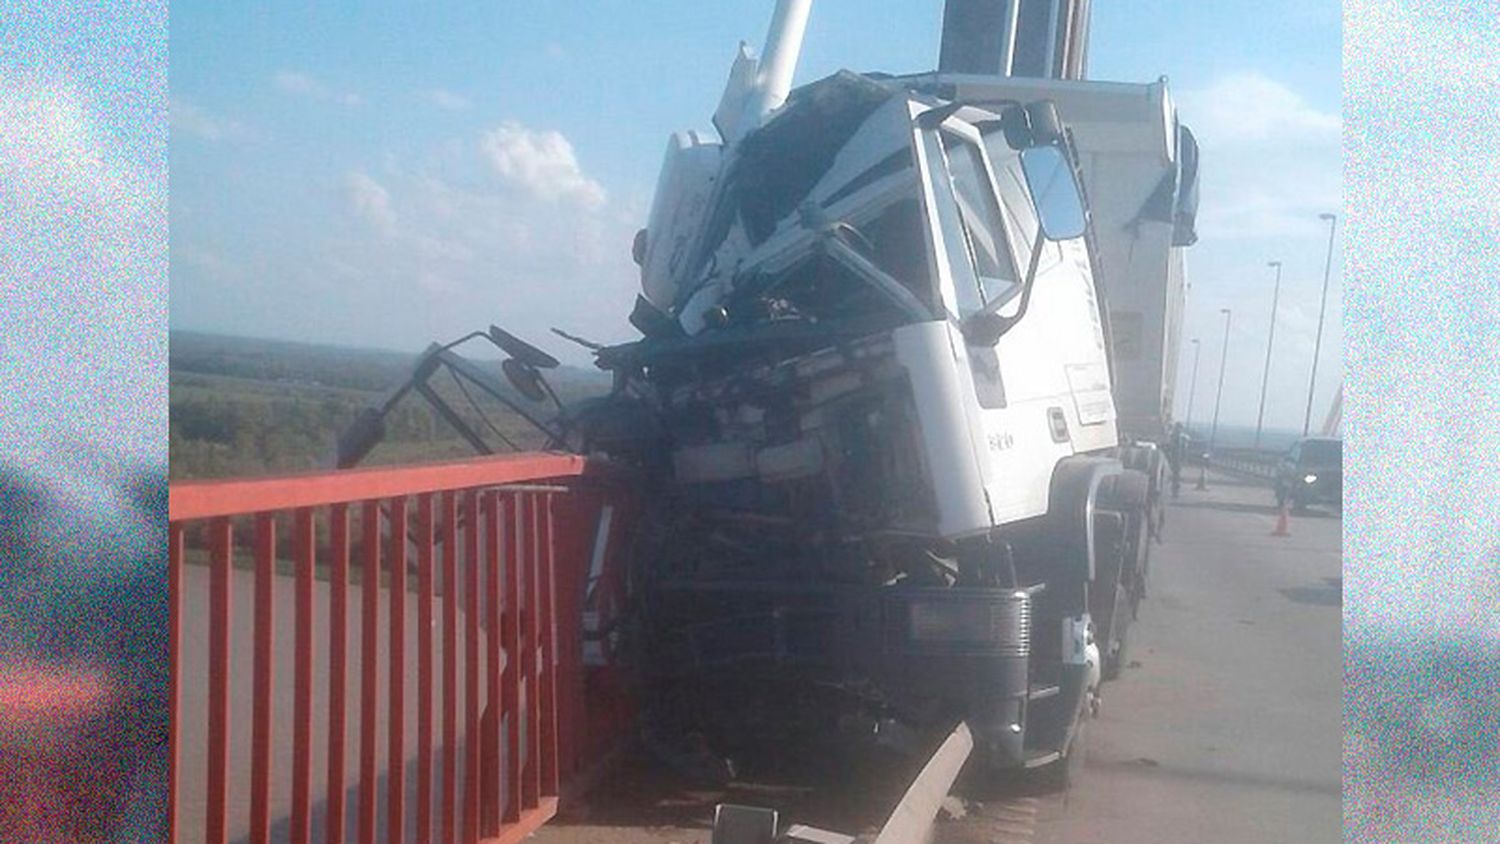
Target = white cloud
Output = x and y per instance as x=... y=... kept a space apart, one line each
x=448 y=247
x=368 y=200
x=1271 y=161
x=192 y=120
x=1249 y=108
x=306 y=87
x=542 y=163
x=448 y=100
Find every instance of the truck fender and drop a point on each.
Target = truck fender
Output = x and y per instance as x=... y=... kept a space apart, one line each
x=1076 y=484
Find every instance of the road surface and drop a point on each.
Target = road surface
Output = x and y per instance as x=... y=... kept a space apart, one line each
x=1226 y=726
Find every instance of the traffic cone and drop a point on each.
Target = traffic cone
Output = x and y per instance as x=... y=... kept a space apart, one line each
x=1281 y=523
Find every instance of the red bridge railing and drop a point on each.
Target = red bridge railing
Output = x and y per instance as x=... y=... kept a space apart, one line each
x=414 y=643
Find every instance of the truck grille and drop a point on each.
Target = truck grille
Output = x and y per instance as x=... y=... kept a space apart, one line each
x=990 y=622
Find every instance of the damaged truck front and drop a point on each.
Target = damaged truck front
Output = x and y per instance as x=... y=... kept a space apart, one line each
x=873 y=401
x=907 y=344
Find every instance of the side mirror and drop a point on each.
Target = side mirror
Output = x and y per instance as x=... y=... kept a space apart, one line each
x=1055 y=191
x=526 y=380
x=520 y=349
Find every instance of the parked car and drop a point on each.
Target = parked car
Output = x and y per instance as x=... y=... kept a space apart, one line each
x=1311 y=472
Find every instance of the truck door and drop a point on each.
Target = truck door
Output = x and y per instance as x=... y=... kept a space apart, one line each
x=1032 y=397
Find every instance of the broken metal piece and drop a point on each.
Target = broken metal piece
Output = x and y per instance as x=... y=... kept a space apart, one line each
x=914 y=815
x=744 y=825
x=813 y=835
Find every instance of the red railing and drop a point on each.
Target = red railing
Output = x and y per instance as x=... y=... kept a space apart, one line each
x=495 y=562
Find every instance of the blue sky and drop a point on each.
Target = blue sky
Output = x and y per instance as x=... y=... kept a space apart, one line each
x=388 y=177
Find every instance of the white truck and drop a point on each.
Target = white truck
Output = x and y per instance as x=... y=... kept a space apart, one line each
x=907 y=342
x=908 y=346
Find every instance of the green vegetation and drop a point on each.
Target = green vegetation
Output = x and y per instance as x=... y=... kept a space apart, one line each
x=243 y=407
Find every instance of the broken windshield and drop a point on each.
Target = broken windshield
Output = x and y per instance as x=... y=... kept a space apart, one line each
x=982 y=224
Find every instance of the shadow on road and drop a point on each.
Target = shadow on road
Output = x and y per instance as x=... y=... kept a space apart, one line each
x=1190 y=481
x=1267 y=509
x=1330 y=593
x=1229 y=779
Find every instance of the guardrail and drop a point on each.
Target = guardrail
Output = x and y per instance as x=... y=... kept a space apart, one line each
x=1253 y=463
x=493 y=561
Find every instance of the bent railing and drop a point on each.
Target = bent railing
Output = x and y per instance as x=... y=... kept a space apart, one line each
x=407 y=643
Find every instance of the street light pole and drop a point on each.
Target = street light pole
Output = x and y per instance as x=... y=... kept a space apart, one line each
x=1213 y=432
x=1312 y=381
x=1193 y=385
x=1265 y=376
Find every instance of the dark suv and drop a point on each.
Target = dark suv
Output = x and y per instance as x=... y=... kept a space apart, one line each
x=1311 y=472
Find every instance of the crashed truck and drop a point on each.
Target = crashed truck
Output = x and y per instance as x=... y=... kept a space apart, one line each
x=907 y=344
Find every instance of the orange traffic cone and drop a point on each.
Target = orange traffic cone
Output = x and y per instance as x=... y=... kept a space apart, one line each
x=1281 y=523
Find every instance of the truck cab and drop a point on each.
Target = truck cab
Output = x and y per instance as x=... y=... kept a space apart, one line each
x=875 y=385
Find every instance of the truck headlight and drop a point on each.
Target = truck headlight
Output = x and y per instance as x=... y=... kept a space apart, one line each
x=1309 y=479
x=1000 y=625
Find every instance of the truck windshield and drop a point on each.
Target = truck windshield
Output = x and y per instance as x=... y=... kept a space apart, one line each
x=1327 y=454
x=982 y=223
x=1015 y=200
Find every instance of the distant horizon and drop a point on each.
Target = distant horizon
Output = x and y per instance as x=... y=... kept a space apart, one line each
x=384 y=350
x=1225 y=426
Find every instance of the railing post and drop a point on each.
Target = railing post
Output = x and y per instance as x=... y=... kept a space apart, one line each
x=176 y=545
x=303 y=557
x=396 y=715
x=510 y=642
x=221 y=543
x=424 y=668
x=369 y=658
x=338 y=619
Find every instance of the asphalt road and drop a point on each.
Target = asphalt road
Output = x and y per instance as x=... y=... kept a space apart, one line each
x=1225 y=728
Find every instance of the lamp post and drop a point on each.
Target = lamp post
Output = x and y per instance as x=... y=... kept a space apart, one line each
x=1183 y=438
x=1213 y=431
x=1193 y=384
x=1265 y=376
x=1312 y=381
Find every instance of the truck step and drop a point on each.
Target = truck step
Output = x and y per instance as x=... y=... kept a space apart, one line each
x=1038 y=758
x=1039 y=691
